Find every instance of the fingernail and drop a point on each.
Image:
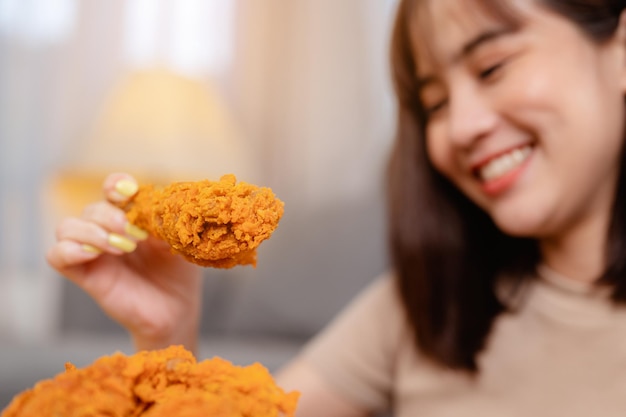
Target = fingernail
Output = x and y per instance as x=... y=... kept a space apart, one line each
x=90 y=249
x=127 y=188
x=122 y=243
x=136 y=232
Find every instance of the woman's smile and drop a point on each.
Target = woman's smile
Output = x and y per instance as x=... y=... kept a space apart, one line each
x=500 y=172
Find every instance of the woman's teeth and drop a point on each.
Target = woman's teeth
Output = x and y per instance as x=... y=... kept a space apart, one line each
x=501 y=165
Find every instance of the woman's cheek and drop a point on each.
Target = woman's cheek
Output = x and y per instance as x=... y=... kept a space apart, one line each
x=526 y=88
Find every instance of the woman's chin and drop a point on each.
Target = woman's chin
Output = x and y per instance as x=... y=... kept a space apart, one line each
x=521 y=225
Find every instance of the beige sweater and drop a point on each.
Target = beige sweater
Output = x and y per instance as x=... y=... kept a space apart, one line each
x=562 y=353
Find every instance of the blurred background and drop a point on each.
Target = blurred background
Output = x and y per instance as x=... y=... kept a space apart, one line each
x=294 y=95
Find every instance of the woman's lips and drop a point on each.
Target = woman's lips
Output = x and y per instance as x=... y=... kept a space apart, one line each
x=499 y=173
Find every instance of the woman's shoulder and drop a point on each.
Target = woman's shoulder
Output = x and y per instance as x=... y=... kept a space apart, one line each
x=378 y=303
x=381 y=291
x=356 y=352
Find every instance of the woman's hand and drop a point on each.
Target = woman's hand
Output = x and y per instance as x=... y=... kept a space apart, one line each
x=154 y=294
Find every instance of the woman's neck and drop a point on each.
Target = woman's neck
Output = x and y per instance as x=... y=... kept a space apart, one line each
x=578 y=254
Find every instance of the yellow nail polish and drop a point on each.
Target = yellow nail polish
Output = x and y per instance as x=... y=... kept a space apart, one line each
x=122 y=243
x=136 y=232
x=90 y=249
x=127 y=188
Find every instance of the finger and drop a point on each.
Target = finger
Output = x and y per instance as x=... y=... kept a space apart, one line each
x=67 y=256
x=93 y=237
x=105 y=215
x=113 y=219
x=119 y=187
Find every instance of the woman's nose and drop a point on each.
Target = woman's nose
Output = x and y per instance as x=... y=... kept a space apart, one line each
x=471 y=116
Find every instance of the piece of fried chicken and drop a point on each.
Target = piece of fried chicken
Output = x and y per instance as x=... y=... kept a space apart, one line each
x=160 y=383
x=211 y=223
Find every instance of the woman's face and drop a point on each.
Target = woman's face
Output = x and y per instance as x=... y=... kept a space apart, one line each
x=528 y=121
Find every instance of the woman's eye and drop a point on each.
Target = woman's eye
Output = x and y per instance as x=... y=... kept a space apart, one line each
x=490 y=72
x=433 y=98
x=434 y=108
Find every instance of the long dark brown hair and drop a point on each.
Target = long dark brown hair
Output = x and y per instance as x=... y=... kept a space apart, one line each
x=446 y=252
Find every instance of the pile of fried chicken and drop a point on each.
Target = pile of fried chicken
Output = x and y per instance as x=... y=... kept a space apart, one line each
x=160 y=383
x=211 y=223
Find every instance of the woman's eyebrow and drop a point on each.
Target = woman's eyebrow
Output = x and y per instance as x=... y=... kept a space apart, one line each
x=468 y=49
x=479 y=40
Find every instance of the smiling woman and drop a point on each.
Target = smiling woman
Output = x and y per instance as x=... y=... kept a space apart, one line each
x=510 y=120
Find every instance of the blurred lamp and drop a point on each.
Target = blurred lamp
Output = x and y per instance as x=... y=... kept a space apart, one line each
x=159 y=126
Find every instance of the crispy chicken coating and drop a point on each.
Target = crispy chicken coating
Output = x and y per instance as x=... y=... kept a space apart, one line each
x=211 y=223
x=161 y=383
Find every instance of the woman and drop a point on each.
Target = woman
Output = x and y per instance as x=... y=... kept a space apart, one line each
x=506 y=196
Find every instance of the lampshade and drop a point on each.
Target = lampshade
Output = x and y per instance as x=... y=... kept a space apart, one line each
x=159 y=126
